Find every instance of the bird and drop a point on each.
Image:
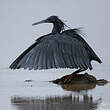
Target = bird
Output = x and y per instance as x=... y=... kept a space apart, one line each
x=59 y=49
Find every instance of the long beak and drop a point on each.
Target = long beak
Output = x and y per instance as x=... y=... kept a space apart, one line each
x=40 y=22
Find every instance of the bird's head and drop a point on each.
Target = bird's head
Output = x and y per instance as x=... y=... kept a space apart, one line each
x=58 y=24
x=51 y=19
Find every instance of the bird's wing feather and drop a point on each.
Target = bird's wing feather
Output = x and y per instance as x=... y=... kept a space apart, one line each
x=54 y=51
x=78 y=52
x=76 y=33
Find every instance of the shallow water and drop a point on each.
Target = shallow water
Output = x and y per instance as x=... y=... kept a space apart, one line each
x=30 y=90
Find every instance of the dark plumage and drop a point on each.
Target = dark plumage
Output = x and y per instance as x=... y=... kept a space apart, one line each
x=59 y=49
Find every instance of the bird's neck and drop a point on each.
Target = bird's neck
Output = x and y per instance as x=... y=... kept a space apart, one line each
x=56 y=28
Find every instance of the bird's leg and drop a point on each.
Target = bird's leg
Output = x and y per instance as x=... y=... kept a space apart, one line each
x=68 y=79
x=78 y=71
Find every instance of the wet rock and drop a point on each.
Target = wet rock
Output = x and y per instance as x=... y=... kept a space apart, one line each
x=80 y=79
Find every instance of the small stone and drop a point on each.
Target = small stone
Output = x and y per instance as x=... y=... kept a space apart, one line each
x=28 y=81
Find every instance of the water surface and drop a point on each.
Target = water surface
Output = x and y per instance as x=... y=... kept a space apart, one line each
x=30 y=90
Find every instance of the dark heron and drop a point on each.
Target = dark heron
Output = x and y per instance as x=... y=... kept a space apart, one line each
x=58 y=49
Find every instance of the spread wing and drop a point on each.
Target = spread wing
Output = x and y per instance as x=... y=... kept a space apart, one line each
x=54 y=51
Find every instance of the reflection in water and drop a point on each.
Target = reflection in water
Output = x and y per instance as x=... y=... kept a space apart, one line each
x=70 y=102
x=56 y=103
x=78 y=87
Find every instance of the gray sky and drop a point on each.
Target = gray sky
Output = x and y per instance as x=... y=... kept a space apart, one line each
x=17 y=33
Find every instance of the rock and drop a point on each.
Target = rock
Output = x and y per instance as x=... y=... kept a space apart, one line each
x=80 y=79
